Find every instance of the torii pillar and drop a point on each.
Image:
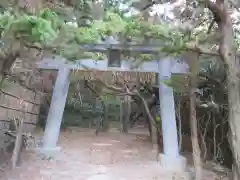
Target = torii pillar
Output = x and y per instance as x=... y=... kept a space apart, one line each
x=55 y=114
x=170 y=159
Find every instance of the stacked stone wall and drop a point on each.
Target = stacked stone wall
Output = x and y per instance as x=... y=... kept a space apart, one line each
x=18 y=102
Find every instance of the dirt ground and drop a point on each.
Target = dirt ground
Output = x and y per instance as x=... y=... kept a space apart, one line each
x=84 y=156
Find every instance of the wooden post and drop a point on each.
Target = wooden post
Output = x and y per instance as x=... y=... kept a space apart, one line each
x=126 y=114
x=106 y=119
x=121 y=115
x=18 y=147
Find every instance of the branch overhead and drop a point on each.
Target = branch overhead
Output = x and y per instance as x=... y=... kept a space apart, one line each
x=215 y=6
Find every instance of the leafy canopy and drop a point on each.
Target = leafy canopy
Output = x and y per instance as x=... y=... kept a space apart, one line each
x=49 y=32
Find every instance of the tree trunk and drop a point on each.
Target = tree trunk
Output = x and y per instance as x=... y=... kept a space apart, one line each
x=234 y=113
x=228 y=54
x=194 y=132
x=192 y=59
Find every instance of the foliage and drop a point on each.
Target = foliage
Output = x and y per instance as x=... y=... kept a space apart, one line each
x=49 y=32
x=48 y=29
x=41 y=29
x=179 y=83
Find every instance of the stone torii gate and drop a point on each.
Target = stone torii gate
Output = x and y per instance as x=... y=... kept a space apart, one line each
x=170 y=158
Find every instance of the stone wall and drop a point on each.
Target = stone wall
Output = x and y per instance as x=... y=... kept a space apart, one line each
x=11 y=106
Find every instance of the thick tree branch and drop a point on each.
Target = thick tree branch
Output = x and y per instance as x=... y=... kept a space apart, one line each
x=146 y=106
x=202 y=50
x=111 y=87
x=125 y=90
x=216 y=9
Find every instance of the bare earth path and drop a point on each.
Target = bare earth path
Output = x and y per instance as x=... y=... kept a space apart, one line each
x=84 y=156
